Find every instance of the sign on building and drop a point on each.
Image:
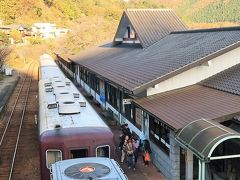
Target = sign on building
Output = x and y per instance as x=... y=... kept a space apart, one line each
x=127 y=101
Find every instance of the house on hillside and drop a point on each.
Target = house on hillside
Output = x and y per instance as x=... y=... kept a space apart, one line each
x=21 y=28
x=44 y=30
x=165 y=81
x=48 y=30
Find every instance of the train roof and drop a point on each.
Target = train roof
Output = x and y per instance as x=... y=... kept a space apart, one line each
x=62 y=105
x=48 y=68
x=87 y=168
x=47 y=60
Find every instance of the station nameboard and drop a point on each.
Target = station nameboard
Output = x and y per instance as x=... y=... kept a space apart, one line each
x=127 y=101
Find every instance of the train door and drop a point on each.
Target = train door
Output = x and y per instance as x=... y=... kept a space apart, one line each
x=79 y=153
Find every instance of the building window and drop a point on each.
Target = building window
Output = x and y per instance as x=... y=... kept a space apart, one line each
x=92 y=81
x=53 y=156
x=127 y=107
x=97 y=84
x=138 y=118
x=87 y=77
x=81 y=75
x=113 y=96
x=159 y=133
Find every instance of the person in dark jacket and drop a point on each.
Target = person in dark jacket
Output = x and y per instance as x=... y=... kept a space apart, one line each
x=126 y=131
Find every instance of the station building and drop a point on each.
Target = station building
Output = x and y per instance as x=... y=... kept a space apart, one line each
x=179 y=88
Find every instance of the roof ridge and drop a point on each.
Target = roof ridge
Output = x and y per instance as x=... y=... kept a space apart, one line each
x=230 y=28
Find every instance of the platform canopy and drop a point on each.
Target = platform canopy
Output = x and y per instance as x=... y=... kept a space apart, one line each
x=203 y=136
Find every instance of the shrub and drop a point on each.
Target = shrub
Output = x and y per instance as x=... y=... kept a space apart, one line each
x=4 y=40
x=35 y=40
x=48 y=2
x=16 y=35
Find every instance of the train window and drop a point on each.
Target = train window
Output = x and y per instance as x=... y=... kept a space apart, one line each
x=103 y=151
x=79 y=153
x=53 y=156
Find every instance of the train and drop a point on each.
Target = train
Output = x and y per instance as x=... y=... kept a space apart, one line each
x=69 y=127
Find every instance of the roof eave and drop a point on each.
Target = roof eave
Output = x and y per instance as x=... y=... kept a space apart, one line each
x=108 y=80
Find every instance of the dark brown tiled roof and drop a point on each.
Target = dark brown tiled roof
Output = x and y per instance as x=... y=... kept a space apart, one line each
x=151 y=25
x=228 y=80
x=137 y=69
x=64 y=57
x=179 y=107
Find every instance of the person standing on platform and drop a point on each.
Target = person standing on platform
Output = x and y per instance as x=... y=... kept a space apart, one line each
x=126 y=131
x=124 y=149
x=130 y=154
x=136 y=148
x=146 y=152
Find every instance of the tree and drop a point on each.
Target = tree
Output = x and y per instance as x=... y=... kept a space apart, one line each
x=16 y=35
x=38 y=11
x=48 y=2
x=4 y=40
x=4 y=52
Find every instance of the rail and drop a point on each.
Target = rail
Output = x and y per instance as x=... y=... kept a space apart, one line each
x=10 y=117
x=19 y=94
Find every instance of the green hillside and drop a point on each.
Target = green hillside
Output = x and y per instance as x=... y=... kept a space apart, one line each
x=205 y=11
x=65 y=12
x=69 y=12
x=93 y=22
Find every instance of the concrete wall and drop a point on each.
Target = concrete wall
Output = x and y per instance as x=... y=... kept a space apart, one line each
x=198 y=73
x=169 y=165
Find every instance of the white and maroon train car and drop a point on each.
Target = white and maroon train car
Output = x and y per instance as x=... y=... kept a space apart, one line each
x=68 y=125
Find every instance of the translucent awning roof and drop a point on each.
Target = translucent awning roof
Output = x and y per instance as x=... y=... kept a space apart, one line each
x=203 y=136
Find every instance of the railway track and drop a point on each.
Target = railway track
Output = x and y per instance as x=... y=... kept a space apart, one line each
x=19 y=131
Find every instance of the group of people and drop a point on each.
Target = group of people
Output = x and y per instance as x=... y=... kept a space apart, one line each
x=130 y=147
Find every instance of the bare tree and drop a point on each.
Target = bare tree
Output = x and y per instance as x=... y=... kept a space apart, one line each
x=4 y=52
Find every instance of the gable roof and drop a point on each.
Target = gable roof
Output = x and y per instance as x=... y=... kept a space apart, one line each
x=179 y=107
x=150 y=25
x=228 y=80
x=137 y=69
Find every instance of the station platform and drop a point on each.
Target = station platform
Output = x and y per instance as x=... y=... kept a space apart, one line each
x=7 y=85
x=141 y=172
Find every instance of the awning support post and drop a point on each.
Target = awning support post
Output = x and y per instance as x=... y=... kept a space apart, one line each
x=201 y=170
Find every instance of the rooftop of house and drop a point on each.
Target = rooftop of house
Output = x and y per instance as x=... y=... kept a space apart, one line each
x=136 y=69
x=228 y=80
x=180 y=107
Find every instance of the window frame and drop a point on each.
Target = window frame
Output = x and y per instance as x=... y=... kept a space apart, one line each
x=56 y=150
x=109 y=152
x=157 y=137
